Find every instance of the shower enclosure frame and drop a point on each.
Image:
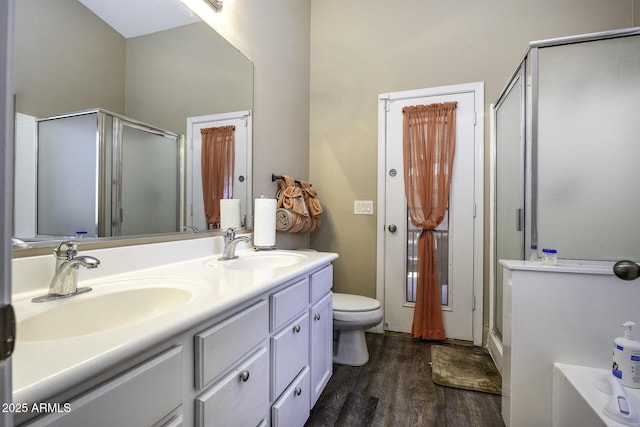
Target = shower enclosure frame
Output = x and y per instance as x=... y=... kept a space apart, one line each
x=105 y=216
x=528 y=70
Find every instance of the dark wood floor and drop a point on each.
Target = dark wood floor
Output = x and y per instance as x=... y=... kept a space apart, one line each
x=395 y=389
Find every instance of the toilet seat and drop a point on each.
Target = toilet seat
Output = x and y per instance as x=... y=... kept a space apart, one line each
x=354 y=311
x=354 y=303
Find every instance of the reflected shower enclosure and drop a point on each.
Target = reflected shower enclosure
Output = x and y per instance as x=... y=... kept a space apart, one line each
x=101 y=174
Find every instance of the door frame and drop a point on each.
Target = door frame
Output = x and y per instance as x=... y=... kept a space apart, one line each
x=494 y=340
x=7 y=120
x=478 y=231
x=238 y=118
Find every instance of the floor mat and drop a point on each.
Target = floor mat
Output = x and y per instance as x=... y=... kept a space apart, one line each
x=465 y=367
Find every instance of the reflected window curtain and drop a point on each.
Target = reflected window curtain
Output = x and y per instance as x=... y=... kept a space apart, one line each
x=428 y=144
x=218 y=158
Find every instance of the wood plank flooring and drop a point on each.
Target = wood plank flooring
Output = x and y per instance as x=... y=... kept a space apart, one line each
x=395 y=389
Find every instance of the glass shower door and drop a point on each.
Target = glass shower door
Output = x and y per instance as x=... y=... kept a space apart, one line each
x=148 y=194
x=509 y=203
x=68 y=175
x=588 y=150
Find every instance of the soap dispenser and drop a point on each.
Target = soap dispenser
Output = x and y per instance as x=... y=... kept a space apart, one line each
x=626 y=357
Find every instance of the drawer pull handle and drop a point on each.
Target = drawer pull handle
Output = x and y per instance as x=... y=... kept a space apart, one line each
x=296 y=329
x=298 y=391
x=244 y=376
x=317 y=317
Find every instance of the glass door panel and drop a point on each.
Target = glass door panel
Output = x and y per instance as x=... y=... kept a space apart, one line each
x=588 y=150
x=509 y=208
x=442 y=254
x=67 y=176
x=150 y=185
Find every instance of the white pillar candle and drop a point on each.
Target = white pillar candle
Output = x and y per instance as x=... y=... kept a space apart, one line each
x=229 y=213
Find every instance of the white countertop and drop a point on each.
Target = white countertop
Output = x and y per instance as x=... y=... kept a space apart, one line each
x=43 y=369
x=591 y=384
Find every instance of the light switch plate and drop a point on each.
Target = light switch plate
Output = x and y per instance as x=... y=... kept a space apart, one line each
x=363 y=207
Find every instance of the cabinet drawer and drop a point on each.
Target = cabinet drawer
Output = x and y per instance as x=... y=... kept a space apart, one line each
x=288 y=303
x=289 y=353
x=219 y=347
x=241 y=398
x=292 y=409
x=321 y=283
x=139 y=397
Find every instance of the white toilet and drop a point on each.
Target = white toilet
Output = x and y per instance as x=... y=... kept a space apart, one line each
x=352 y=315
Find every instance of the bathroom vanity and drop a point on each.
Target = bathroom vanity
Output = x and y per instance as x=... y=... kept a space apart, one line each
x=240 y=342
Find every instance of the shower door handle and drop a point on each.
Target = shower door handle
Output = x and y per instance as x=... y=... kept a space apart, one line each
x=519 y=219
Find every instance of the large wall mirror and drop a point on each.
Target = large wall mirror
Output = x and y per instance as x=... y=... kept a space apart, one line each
x=157 y=69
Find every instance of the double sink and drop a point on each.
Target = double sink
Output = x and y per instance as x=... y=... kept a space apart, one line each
x=130 y=301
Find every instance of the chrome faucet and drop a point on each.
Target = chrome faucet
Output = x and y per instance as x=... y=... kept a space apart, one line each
x=65 y=280
x=230 y=243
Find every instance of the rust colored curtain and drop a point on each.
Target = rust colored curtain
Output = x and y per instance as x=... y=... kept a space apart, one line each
x=428 y=144
x=218 y=157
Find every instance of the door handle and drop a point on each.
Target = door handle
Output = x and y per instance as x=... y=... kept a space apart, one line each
x=392 y=228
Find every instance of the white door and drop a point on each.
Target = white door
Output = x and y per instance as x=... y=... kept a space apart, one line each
x=459 y=238
x=242 y=168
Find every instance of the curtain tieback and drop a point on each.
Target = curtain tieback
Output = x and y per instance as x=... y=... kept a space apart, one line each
x=422 y=230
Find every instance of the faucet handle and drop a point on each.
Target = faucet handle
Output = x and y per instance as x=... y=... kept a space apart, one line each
x=69 y=252
x=230 y=234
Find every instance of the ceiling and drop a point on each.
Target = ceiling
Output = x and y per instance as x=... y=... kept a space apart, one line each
x=133 y=18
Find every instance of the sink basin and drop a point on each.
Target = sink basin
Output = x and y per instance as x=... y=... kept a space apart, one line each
x=265 y=261
x=108 y=306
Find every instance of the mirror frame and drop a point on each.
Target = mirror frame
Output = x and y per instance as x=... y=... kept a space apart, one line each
x=46 y=247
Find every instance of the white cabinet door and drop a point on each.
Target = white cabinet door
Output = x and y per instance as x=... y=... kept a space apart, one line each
x=321 y=350
x=289 y=353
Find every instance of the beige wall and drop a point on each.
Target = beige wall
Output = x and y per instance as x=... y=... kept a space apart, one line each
x=185 y=72
x=362 y=48
x=275 y=36
x=61 y=50
x=68 y=60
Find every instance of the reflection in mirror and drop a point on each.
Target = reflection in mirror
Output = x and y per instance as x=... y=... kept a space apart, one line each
x=240 y=188
x=67 y=59
x=94 y=178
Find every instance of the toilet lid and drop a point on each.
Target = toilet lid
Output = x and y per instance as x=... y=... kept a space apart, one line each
x=348 y=302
